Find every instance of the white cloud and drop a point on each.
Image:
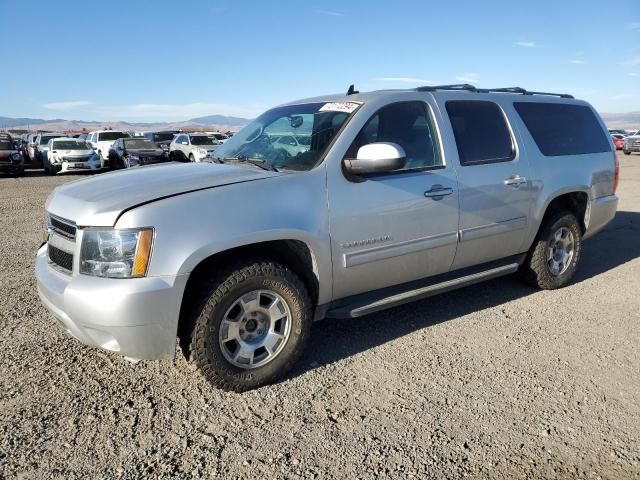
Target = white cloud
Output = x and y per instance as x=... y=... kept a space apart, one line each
x=577 y=62
x=527 y=44
x=468 y=77
x=632 y=61
x=64 y=106
x=634 y=25
x=331 y=13
x=634 y=74
x=403 y=80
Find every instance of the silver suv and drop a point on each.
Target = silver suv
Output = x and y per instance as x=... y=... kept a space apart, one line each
x=398 y=195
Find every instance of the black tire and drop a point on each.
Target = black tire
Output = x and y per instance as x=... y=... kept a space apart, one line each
x=192 y=159
x=19 y=173
x=223 y=292
x=626 y=152
x=536 y=270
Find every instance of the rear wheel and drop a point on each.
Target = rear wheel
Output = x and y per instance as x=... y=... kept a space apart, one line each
x=554 y=256
x=252 y=326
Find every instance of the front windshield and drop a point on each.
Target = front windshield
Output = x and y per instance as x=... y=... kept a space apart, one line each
x=70 y=145
x=112 y=136
x=45 y=138
x=202 y=140
x=293 y=137
x=162 y=137
x=139 y=143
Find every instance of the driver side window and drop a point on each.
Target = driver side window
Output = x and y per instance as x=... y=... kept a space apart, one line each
x=408 y=124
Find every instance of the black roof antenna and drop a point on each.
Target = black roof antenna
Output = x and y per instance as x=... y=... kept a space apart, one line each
x=352 y=90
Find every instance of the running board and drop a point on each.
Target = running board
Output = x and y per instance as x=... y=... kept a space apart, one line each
x=359 y=310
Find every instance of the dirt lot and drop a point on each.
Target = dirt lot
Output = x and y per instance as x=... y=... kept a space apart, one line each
x=495 y=380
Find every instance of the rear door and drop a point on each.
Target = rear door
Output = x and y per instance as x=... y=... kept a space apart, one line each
x=494 y=182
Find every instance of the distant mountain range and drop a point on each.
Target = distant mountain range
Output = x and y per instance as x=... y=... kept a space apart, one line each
x=214 y=122
x=630 y=120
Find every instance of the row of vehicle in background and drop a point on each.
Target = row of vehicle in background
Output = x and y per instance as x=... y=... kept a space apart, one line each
x=631 y=143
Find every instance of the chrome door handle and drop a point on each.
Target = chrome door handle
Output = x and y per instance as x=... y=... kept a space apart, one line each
x=438 y=191
x=515 y=181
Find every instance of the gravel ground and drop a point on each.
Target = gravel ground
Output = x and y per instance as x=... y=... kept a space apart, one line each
x=495 y=380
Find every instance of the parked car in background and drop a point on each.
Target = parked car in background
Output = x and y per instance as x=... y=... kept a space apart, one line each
x=631 y=144
x=31 y=149
x=137 y=151
x=373 y=214
x=11 y=160
x=219 y=136
x=42 y=146
x=192 y=147
x=618 y=140
x=618 y=131
x=162 y=139
x=102 y=140
x=292 y=144
x=67 y=154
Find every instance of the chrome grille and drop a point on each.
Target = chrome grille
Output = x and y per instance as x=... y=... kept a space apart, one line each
x=62 y=227
x=77 y=159
x=60 y=257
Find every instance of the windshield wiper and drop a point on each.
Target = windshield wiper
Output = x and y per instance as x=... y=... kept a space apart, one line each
x=253 y=161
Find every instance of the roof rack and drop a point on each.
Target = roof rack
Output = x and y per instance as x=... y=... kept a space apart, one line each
x=470 y=88
x=457 y=86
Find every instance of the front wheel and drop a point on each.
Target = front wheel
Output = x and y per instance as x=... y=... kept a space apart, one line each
x=192 y=158
x=554 y=256
x=252 y=326
x=626 y=152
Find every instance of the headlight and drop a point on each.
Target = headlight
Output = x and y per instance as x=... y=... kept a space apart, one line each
x=164 y=147
x=116 y=253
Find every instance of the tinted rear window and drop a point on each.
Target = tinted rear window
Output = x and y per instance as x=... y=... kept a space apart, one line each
x=563 y=129
x=481 y=132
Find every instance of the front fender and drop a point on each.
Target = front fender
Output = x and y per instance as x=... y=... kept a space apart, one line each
x=194 y=226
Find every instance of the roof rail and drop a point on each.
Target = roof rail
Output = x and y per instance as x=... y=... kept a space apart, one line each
x=457 y=86
x=522 y=91
x=470 y=88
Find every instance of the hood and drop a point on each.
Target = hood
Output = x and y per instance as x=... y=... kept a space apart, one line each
x=74 y=153
x=98 y=201
x=146 y=151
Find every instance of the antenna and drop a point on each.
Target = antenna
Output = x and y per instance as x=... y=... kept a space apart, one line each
x=352 y=90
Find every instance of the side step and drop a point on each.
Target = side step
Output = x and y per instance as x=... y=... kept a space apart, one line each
x=361 y=309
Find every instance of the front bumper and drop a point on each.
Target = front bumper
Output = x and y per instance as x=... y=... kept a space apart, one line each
x=136 y=317
x=65 y=167
x=13 y=167
x=631 y=148
x=601 y=211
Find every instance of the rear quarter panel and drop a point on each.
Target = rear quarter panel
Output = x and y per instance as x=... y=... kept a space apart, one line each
x=551 y=177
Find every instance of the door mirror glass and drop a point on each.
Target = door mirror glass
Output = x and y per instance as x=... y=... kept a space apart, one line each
x=378 y=157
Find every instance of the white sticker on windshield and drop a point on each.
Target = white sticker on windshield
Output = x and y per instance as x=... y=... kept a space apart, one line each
x=346 y=107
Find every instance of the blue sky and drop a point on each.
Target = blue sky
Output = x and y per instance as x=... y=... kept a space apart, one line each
x=166 y=60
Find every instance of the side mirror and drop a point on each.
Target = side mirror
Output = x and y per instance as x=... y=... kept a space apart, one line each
x=379 y=157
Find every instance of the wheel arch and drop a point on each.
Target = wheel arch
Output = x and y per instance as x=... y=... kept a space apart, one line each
x=295 y=254
x=575 y=201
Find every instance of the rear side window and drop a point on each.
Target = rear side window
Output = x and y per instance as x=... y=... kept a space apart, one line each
x=563 y=129
x=481 y=132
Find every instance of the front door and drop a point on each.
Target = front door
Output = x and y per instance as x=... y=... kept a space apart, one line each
x=401 y=226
